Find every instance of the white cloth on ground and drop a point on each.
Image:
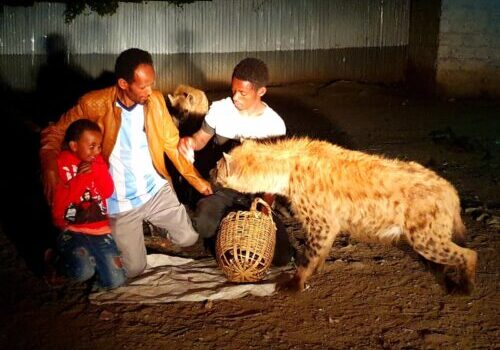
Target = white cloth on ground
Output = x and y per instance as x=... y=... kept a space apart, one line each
x=172 y=279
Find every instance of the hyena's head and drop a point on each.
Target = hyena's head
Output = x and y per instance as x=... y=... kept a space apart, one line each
x=246 y=169
x=188 y=102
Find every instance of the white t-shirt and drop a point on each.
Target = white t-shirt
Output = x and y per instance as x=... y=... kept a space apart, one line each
x=223 y=119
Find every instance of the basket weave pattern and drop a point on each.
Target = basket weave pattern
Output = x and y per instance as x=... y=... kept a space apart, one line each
x=245 y=244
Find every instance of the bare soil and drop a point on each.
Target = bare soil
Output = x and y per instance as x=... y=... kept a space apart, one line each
x=369 y=297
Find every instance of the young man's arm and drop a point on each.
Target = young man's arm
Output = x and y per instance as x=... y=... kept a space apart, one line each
x=193 y=143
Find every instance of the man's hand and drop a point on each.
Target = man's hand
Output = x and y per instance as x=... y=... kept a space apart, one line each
x=186 y=147
x=207 y=190
x=50 y=182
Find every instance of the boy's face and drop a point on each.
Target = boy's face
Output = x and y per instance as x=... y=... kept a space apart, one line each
x=141 y=87
x=88 y=146
x=245 y=96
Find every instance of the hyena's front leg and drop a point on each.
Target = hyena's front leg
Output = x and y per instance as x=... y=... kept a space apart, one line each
x=318 y=246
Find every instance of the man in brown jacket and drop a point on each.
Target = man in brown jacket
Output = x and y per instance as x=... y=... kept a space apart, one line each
x=137 y=132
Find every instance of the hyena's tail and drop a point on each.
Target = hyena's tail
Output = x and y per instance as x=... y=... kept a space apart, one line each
x=459 y=230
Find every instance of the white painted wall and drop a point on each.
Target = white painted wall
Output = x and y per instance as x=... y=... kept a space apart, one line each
x=468 y=59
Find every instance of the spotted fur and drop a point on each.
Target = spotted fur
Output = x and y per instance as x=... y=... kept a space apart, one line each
x=332 y=189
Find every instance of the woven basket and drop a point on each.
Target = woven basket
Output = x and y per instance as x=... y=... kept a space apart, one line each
x=245 y=244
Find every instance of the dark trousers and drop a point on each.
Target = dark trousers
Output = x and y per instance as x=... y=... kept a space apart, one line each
x=212 y=209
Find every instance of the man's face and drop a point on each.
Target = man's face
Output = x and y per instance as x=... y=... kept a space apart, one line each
x=245 y=96
x=88 y=146
x=141 y=87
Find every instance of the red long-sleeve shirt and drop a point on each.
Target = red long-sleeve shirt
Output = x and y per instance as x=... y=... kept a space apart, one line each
x=80 y=199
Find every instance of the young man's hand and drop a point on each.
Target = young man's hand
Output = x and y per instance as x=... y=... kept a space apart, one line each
x=188 y=144
x=186 y=148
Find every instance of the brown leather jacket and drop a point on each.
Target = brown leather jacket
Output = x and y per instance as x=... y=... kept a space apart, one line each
x=100 y=106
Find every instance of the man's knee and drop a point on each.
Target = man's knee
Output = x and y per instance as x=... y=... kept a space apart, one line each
x=134 y=268
x=187 y=239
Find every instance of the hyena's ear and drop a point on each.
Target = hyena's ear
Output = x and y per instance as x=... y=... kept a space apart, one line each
x=228 y=164
x=227 y=157
x=171 y=99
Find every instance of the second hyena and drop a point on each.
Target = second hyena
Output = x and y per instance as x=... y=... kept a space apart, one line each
x=332 y=189
x=190 y=105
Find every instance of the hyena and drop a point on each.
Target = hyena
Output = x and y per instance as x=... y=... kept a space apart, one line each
x=190 y=105
x=332 y=189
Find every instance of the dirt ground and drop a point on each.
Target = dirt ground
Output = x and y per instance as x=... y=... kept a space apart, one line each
x=369 y=297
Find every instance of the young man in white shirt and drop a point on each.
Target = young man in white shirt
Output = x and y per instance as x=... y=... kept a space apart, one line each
x=242 y=116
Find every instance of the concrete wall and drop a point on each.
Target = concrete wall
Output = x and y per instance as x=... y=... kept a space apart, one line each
x=468 y=58
x=423 y=44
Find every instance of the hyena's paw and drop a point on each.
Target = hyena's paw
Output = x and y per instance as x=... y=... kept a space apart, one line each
x=458 y=283
x=289 y=285
x=467 y=287
x=455 y=281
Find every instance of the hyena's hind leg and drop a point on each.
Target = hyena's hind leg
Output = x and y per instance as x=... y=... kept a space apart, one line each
x=318 y=245
x=438 y=247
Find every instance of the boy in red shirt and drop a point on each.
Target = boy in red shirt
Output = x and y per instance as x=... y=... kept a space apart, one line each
x=85 y=245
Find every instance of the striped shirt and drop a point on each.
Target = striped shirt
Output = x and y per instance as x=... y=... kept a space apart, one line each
x=130 y=164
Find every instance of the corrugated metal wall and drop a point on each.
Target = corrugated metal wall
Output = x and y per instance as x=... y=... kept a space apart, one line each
x=199 y=43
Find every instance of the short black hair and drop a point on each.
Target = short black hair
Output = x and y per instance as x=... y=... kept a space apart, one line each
x=253 y=70
x=76 y=129
x=128 y=61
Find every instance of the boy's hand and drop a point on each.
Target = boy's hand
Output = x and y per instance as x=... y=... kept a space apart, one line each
x=84 y=167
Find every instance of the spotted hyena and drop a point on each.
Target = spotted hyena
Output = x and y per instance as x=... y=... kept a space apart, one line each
x=189 y=105
x=332 y=189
